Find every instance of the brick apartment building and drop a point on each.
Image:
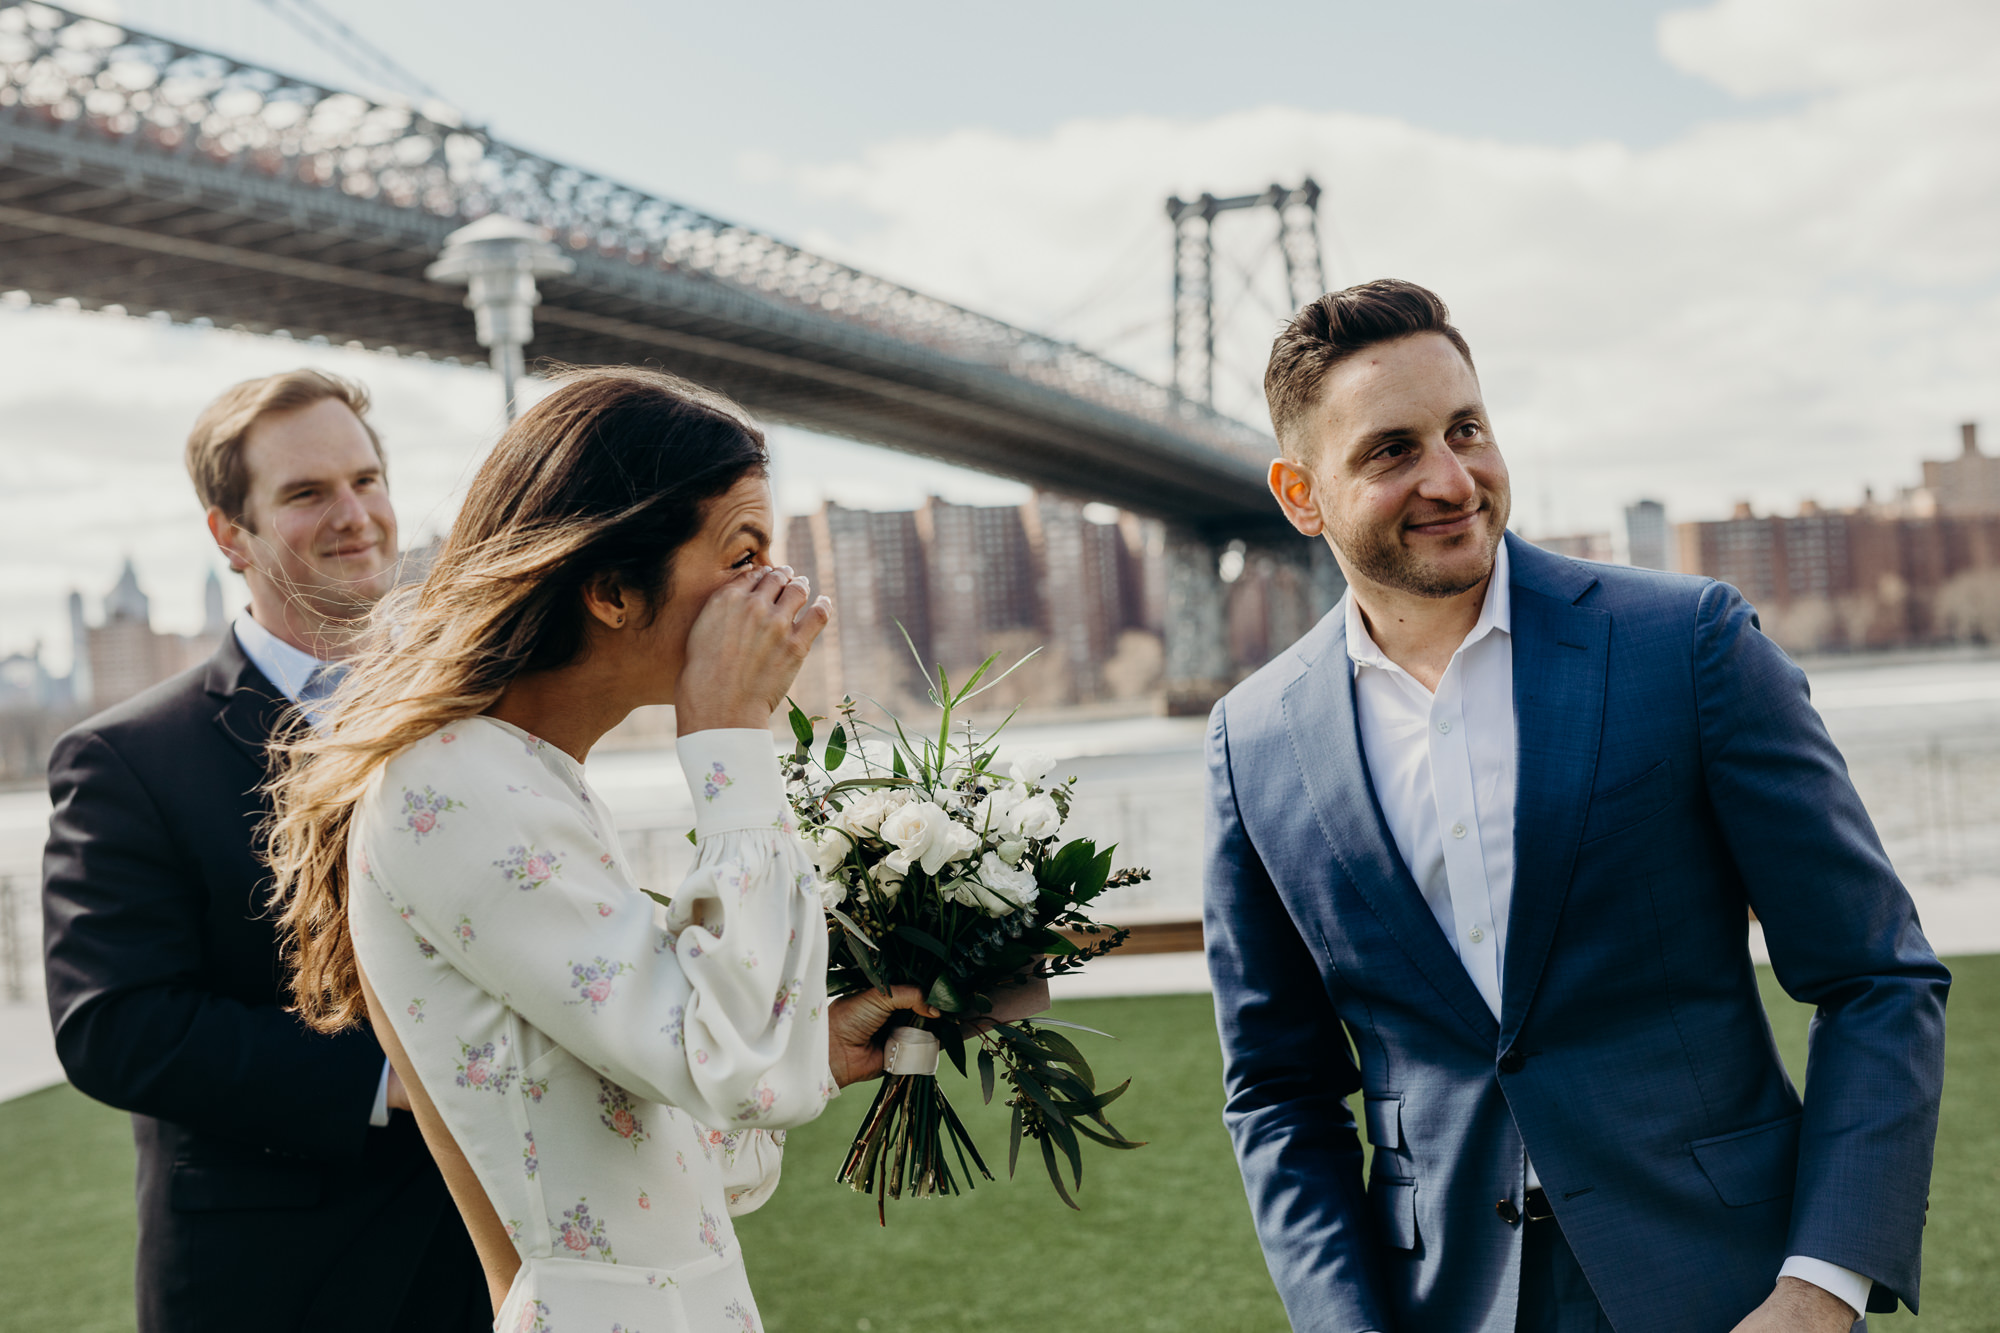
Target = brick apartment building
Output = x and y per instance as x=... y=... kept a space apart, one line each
x=1923 y=568
x=965 y=582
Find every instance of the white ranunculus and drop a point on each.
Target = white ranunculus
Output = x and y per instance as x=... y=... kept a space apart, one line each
x=831 y=850
x=1016 y=886
x=922 y=833
x=832 y=892
x=864 y=812
x=1036 y=817
x=1030 y=766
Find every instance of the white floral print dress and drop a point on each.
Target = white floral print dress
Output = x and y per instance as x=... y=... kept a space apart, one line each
x=618 y=1085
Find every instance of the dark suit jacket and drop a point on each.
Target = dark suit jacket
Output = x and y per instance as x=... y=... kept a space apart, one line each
x=266 y=1201
x=1671 y=774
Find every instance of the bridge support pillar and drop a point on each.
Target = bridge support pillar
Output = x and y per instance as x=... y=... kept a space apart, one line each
x=1197 y=644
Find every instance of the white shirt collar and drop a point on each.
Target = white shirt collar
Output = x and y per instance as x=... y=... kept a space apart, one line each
x=283 y=665
x=1495 y=613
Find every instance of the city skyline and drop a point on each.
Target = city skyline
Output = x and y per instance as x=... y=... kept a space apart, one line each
x=1728 y=251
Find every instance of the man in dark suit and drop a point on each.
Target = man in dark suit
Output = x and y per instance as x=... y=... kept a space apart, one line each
x=270 y=1158
x=1497 y=819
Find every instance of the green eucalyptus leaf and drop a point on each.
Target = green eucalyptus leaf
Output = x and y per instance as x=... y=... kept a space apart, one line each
x=1104 y=1139
x=986 y=1076
x=1038 y=1095
x=1014 y=1144
x=942 y=996
x=836 y=748
x=847 y=921
x=802 y=726
x=1055 y=1173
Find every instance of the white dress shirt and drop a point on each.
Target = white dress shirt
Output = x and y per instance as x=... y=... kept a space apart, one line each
x=1444 y=768
x=299 y=676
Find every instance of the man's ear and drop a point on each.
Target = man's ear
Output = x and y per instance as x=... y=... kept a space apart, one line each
x=609 y=602
x=231 y=538
x=1292 y=486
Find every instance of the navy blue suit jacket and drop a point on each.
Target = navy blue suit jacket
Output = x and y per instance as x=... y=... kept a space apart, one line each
x=1672 y=773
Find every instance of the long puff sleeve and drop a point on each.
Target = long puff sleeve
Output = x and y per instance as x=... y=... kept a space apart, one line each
x=722 y=1015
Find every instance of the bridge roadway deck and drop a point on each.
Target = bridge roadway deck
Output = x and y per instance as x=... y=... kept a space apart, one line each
x=106 y=198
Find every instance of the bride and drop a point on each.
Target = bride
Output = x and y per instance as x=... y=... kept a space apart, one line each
x=603 y=1087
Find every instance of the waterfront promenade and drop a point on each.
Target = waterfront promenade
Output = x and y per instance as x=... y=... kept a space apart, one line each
x=1921 y=735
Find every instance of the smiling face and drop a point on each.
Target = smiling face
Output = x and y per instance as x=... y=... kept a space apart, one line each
x=735 y=534
x=1404 y=478
x=317 y=538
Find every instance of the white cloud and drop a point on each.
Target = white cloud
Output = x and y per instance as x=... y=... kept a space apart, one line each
x=1796 y=301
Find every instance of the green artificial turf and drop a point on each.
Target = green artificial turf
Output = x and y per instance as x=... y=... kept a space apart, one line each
x=1164 y=1241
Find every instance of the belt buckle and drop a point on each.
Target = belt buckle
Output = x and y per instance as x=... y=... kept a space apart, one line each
x=1538 y=1209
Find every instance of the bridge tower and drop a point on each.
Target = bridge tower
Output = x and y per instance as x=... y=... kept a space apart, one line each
x=1194 y=272
x=1231 y=603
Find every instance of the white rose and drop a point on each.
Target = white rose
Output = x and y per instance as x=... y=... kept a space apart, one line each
x=1030 y=766
x=887 y=879
x=1016 y=886
x=990 y=815
x=922 y=833
x=1036 y=817
x=832 y=892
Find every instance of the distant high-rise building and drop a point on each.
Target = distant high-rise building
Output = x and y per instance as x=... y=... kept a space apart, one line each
x=124 y=655
x=214 y=619
x=1967 y=484
x=1646 y=535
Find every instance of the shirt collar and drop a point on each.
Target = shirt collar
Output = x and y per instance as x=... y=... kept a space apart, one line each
x=283 y=665
x=1496 y=613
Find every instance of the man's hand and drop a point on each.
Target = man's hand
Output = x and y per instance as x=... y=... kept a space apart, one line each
x=853 y=1023
x=1797 y=1306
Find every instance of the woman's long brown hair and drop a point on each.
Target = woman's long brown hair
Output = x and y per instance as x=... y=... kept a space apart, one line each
x=605 y=478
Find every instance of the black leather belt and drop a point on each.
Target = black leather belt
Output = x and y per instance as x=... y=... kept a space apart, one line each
x=1537 y=1210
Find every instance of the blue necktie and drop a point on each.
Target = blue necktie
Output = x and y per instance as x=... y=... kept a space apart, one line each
x=319 y=688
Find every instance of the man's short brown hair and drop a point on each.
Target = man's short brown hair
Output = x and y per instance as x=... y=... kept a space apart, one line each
x=215 y=446
x=1328 y=331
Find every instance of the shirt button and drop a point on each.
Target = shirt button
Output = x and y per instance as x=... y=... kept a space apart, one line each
x=1444 y=725
x=1475 y=934
x=1458 y=830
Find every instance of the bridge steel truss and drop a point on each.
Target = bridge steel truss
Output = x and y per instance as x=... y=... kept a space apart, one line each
x=140 y=172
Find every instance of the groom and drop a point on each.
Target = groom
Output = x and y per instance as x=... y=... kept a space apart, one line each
x=281 y=1186
x=1496 y=822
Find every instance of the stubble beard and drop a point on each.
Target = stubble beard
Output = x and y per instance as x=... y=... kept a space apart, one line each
x=1379 y=555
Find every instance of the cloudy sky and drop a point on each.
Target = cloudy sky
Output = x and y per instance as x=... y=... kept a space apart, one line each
x=1706 y=253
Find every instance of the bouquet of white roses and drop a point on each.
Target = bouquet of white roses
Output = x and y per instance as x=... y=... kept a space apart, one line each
x=946 y=873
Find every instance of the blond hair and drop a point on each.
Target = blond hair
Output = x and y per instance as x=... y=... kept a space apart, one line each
x=604 y=479
x=215 y=445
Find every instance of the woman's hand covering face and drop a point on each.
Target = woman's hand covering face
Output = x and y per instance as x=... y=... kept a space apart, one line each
x=745 y=648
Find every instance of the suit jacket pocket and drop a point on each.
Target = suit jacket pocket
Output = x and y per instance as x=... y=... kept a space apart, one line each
x=1630 y=803
x=1395 y=1202
x=207 y=1187
x=1752 y=1165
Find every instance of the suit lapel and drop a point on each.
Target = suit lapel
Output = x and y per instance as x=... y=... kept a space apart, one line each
x=252 y=709
x=1561 y=652
x=1326 y=740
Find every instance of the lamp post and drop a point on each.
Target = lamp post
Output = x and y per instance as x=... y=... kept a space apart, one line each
x=498 y=259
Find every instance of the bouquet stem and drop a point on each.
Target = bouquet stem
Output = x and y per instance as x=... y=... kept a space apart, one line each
x=900 y=1148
